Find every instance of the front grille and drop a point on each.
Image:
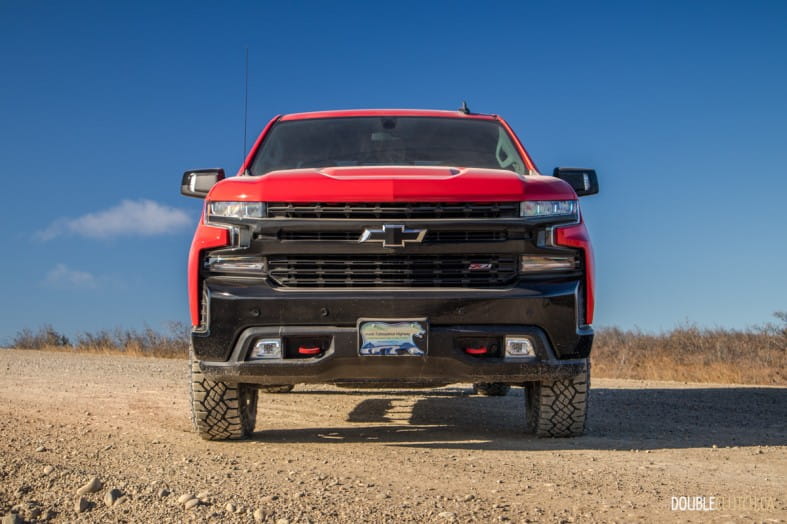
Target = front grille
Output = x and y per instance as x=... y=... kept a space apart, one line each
x=318 y=271
x=394 y=210
x=466 y=236
x=431 y=236
x=320 y=236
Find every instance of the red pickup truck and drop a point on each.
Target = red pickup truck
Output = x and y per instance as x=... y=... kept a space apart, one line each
x=390 y=248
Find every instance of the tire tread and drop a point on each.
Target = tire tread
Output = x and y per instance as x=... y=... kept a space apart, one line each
x=220 y=411
x=558 y=408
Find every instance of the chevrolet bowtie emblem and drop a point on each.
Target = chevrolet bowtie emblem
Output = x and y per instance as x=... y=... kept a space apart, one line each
x=393 y=235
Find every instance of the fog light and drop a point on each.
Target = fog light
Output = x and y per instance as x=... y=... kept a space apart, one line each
x=266 y=348
x=519 y=347
x=535 y=263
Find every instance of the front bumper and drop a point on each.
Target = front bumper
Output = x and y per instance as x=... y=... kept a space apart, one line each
x=241 y=311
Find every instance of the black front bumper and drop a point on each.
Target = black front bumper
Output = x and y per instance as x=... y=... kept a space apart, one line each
x=241 y=311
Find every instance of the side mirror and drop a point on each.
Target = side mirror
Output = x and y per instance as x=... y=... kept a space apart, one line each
x=197 y=182
x=584 y=181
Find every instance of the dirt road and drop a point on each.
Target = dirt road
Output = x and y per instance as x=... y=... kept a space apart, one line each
x=322 y=454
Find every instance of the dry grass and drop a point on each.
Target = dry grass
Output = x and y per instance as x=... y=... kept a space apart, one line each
x=134 y=343
x=756 y=355
x=753 y=356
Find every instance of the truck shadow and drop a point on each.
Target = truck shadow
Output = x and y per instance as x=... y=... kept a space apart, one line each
x=620 y=419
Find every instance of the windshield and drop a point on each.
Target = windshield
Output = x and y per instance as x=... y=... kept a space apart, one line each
x=387 y=141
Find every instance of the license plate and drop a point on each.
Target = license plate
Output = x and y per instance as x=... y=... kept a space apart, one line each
x=392 y=337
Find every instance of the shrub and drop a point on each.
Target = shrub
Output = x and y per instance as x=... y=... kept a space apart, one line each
x=45 y=337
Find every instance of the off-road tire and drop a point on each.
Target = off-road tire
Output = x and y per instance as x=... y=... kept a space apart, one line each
x=557 y=408
x=285 y=388
x=221 y=411
x=491 y=389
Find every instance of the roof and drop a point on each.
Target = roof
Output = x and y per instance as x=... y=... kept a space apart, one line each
x=386 y=112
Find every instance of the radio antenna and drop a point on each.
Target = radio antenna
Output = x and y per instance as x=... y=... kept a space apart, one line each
x=245 y=106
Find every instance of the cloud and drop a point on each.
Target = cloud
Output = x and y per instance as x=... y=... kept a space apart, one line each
x=63 y=276
x=129 y=218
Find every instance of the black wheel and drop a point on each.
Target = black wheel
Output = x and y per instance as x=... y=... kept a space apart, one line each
x=557 y=408
x=221 y=411
x=491 y=389
x=285 y=388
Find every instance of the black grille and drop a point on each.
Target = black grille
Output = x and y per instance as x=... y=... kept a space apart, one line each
x=466 y=236
x=392 y=270
x=320 y=236
x=431 y=236
x=394 y=210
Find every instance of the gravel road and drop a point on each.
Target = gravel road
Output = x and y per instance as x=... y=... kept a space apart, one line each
x=101 y=438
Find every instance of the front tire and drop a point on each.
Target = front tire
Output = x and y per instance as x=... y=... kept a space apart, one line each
x=557 y=408
x=221 y=411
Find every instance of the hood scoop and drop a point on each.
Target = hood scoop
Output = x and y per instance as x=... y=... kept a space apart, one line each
x=390 y=172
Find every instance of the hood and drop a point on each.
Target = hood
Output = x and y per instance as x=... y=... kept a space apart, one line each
x=391 y=184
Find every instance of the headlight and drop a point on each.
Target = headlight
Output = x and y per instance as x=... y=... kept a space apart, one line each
x=236 y=209
x=235 y=263
x=538 y=263
x=549 y=208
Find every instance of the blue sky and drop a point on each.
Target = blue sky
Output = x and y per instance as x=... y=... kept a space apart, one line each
x=680 y=106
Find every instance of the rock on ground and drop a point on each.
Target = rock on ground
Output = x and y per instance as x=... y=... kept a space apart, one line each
x=92 y=486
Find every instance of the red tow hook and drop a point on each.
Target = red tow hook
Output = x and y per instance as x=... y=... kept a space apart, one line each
x=476 y=351
x=308 y=351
